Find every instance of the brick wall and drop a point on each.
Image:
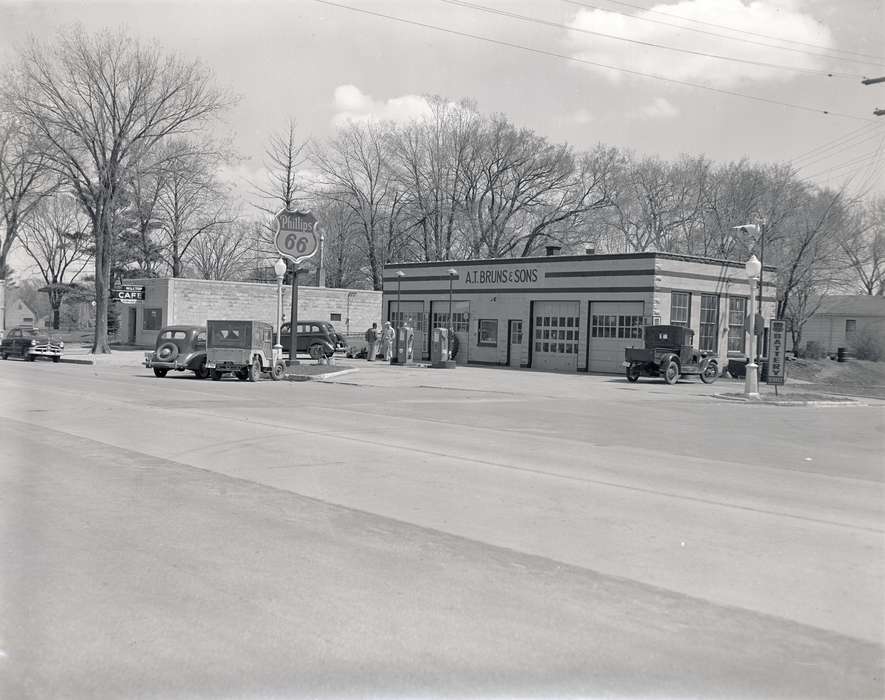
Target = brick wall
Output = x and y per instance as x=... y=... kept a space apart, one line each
x=190 y=301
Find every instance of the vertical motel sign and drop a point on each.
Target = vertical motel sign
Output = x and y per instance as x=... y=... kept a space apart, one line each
x=777 y=350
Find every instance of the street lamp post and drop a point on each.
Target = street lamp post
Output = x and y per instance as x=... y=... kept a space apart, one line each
x=399 y=279
x=279 y=269
x=453 y=274
x=751 y=384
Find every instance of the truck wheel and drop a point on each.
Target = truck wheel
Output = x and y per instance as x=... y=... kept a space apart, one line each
x=632 y=373
x=671 y=372
x=202 y=371
x=160 y=372
x=242 y=374
x=710 y=373
x=255 y=370
x=278 y=371
x=215 y=374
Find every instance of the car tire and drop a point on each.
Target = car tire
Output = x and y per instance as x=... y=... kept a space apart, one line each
x=28 y=357
x=201 y=372
x=160 y=372
x=215 y=375
x=671 y=372
x=278 y=371
x=242 y=374
x=317 y=351
x=56 y=359
x=632 y=373
x=255 y=370
x=4 y=355
x=710 y=373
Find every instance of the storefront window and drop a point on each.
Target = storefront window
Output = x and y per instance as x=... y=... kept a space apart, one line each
x=604 y=326
x=709 y=322
x=153 y=319
x=487 y=332
x=737 y=313
x=680 y=308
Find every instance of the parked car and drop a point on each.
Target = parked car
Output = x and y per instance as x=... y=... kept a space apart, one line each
x=179 y=348
x=668 y=353
x=242 y=348
x=30 y=343
x=319 y=338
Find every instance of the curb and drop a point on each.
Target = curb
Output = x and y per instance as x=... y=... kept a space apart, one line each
x=318 y=377
x=72 y=361
x=788 y=402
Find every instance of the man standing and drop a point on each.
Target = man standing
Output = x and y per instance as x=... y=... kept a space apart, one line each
x=372 y=343
x=388 y=340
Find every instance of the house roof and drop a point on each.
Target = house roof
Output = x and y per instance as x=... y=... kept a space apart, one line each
x=852 y=305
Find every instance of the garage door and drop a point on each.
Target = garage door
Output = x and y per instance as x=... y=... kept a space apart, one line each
x=556 y=328
x=614 y=325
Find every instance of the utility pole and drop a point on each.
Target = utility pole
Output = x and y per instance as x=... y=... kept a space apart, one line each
x=872 y=81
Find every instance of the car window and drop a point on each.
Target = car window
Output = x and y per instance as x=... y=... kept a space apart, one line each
x=301 y=328
x=315 y=329
x=174 y=335
x=231 y=334
x=200 y=338
x=30 y=332
x=15 y=333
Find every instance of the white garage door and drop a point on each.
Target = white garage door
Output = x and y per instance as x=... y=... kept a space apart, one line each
x=557 y=328
x=614 y=325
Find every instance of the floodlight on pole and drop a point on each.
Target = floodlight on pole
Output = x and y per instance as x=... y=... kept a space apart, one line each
x=453 y=274
x=279 y=269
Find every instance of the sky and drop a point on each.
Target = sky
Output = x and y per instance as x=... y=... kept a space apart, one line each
x=540 y=62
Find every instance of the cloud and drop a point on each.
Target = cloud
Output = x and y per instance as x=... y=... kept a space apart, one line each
x=782 y=20
x=659 y=108
x=581 y=116
x=353 y=105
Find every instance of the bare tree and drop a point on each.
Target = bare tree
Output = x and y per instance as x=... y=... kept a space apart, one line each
x=22 y=184
x=863 y=246
x=102 y=103
x=191 y=202
x=225 y=253
x=58 y=240
x=354 y=172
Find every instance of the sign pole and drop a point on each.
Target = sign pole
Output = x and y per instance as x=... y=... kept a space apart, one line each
x=293 y=318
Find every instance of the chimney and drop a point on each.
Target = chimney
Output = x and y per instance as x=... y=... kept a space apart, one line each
x=590 y=250
x=553 y=250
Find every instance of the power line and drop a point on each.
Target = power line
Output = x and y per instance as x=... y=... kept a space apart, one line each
x=745 y=31
x=860 y=159
x=556 y=25
x=823 y=155
x=574 y=59
x=725 y=36
x=839 y=138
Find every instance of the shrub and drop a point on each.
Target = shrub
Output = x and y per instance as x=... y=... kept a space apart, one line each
x=867 y=345
x=813 y=350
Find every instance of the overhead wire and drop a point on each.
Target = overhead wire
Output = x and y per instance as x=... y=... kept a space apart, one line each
x=854 y=161
x=753 y=42
x=824 y=155
x=837 y=139
x=704 y=54
x=574 y=59
x=744 y=31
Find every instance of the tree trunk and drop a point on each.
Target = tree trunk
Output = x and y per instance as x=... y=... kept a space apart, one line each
x=102 y=229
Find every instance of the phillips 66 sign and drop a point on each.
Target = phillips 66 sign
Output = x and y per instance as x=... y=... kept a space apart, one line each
x=295 y=234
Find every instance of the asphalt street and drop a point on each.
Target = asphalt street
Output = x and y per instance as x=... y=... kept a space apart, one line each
x=405 y=532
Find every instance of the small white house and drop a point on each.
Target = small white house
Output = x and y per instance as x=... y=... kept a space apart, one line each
x=839 y=317
x=20 y=314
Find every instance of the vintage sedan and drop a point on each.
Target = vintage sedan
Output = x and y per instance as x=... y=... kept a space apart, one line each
x=30 y=343
x=669 y=353
x=319 y=338
x=179 y=348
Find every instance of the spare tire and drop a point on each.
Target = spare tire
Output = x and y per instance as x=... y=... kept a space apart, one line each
x=167 y=352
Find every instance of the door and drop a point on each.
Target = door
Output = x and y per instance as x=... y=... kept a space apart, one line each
x=614 y=326
x=514 y=340
x=133 y=315
x=557 y=330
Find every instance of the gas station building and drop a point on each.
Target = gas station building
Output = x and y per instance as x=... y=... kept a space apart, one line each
x=572 y=313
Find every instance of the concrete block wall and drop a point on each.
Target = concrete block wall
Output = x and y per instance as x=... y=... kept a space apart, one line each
x=191 y=301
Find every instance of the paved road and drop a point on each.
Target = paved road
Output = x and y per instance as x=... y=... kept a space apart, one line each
x=471 y=533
